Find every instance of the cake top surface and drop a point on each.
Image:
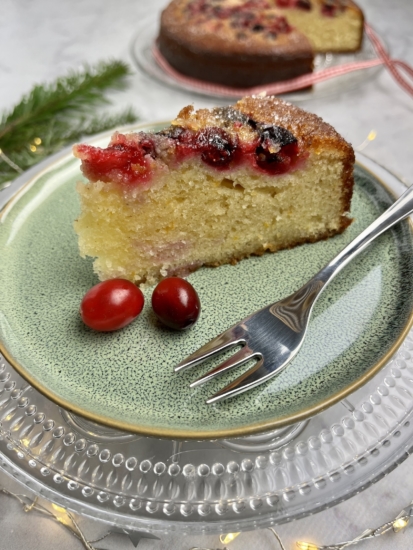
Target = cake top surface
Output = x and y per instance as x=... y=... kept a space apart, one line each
x=329 y=8
x=308 y=128
x=232 y=26
x=265 y=134
x=258 y=27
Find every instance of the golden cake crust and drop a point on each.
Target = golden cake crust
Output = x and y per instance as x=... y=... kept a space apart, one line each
x=219 y=36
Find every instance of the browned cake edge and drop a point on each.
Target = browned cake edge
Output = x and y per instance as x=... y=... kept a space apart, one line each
x=308 y=128
x=235 y=72
x=315 y=134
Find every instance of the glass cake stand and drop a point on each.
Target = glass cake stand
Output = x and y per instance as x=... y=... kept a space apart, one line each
x=157 y=486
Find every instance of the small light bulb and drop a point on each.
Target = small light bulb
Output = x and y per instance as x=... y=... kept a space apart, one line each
x=306 y=545
x=59 y=509
x=400 y=524
x=229 y=537
x=370 y=137
x=61 y=514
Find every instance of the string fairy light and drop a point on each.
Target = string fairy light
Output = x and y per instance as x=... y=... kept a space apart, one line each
x=400 y=524
x=8 y=161
x=227 y=538
x=306 y=546
x=371 y=137
x=59 y=514
x=65 y=518
x=35 y=144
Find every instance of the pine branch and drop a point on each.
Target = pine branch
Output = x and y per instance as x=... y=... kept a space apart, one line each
x=53 y=115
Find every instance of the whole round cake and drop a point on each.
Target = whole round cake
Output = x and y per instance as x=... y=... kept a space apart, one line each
x=248 y=43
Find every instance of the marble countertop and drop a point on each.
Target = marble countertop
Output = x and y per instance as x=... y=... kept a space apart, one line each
x=43 y=39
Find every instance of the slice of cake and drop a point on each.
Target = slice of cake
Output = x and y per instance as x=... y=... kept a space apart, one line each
x=244 y=43
x=215 y=187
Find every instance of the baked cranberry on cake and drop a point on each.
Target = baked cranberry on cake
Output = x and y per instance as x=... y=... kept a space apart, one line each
x=214 y=187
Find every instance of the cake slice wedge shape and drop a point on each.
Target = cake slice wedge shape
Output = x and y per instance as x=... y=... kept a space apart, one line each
x=216 y=186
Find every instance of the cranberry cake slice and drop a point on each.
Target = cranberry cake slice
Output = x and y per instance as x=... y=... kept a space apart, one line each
x=215 y=187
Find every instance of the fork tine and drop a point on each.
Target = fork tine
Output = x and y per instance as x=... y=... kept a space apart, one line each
x=222 y=342
x=240 y=357
x=253 y=377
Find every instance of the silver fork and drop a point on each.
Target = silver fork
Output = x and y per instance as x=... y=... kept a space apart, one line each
x=274 y=335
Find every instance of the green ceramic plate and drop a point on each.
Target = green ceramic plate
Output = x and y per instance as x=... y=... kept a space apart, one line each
x=125 y=379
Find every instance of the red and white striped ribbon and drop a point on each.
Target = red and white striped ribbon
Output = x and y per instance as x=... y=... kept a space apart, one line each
x=395 y=66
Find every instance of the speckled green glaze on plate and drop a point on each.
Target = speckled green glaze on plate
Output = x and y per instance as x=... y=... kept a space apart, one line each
x=125 y=379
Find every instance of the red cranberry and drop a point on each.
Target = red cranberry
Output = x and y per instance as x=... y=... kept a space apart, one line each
x=278 y=134
x=176 y=303
x=277 y=163
x=216 y=146
x=148 y=147
x=257 y=28
x=280 y=25
x=272 y=138
x=113 y=163
x=331 y=7
x=329 y=11
x=199 y=6
x=304 y=5
x=111 y=305
x=247 y=19
x=276 y=149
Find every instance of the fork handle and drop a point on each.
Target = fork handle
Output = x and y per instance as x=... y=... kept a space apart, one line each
x=397 y=212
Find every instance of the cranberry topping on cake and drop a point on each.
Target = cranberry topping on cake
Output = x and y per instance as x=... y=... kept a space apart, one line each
x=252 y=16
x=121 y=163
x=331 y=8
x=233 y=140
x=126 y=161
x=300 y=4
x=216 y=146
x=278 y=150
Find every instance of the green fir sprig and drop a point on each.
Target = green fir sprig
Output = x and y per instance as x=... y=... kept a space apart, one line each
x=53 y=115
